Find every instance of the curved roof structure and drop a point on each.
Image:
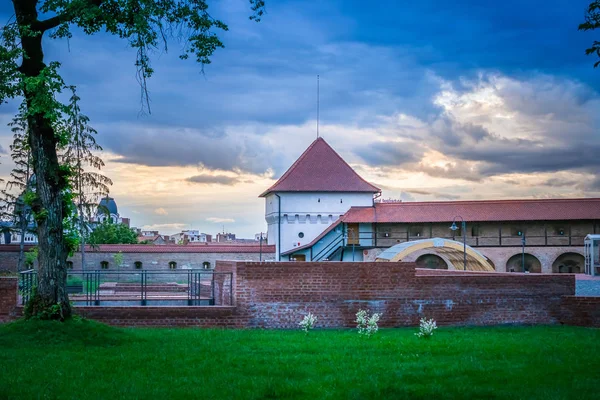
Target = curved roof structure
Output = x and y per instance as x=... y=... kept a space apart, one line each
x=451 y=249
x=321 y=169
x=108 y=204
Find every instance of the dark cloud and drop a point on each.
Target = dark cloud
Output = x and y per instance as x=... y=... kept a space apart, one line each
x=156 y=146
x=560 y=182
x=432 y=193
x=213 y=179
x=389 y=153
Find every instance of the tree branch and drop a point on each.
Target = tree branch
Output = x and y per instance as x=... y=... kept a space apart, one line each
x=65 y=16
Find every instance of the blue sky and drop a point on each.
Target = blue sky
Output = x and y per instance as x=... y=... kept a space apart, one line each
x=431 y=100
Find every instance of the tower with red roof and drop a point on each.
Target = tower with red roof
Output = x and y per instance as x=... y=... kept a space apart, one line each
x=311 y=195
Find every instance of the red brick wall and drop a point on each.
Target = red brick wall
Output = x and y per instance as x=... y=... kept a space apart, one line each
x=209 y=316
x=582 y=311
x=8 y=296
x=275 y=295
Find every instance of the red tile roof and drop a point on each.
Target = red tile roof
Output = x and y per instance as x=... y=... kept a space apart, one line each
x=477 y=211
x=321 y=169
x=173 y=248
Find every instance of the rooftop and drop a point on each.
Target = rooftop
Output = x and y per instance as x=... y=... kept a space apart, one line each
x=321 y=169
x=477 y=211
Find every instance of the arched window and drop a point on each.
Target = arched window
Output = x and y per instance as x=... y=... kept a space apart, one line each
x=172 y=265
x=206 y=265
x=69 y=264
x=138 y=265
x=104 y=264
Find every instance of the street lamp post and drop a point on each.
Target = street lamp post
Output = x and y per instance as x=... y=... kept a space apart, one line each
x=453 y=227
x=523 y=252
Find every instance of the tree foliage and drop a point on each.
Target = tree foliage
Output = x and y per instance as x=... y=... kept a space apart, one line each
x=592 y=21
x=147 y=25
x=109 y=232
x=17 y=213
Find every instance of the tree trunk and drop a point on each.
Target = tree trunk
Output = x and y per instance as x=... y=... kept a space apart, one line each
x=51 y=299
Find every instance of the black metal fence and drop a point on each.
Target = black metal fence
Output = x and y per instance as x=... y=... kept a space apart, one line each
x=144 y=287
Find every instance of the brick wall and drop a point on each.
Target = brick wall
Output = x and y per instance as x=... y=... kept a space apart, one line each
x=8 y=296
x=185 y=259
x=209 y=316
x=582 y=311
x=275 y=295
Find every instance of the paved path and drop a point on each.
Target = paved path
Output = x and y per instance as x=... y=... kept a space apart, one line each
x=587 y=285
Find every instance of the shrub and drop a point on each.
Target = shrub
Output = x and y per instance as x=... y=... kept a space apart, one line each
x=426 y=328
x=308 y=322
x=367 y=325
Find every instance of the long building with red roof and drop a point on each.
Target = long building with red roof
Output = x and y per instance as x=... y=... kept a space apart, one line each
x=321 y=209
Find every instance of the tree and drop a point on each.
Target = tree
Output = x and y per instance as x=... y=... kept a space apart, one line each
x=108 y=232
x=592 y=21
x=19 y=213
x=87 y=186
x=147 y=25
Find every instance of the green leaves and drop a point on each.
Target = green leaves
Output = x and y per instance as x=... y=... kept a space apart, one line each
x=109 y=232
x=592 y=21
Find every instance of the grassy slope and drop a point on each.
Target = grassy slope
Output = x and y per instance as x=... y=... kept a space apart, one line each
x=88 y=360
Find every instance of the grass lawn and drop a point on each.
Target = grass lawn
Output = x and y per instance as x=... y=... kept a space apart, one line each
x=84 y=359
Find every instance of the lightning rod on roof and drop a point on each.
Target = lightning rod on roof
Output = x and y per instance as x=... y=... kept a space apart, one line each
x=317 y=106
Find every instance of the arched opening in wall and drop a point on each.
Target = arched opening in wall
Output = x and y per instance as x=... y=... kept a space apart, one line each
x=532 y=264
x=69 y=264
x=172 y=265
x=431 y=261
x=206 y=265
x=138 y=265
x=104 y=264
x=569 y=263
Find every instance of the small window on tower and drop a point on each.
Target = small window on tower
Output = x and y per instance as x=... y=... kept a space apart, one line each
x=301 y=235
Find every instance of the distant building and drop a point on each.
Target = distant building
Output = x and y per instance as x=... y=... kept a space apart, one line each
x=191 y=236
x=259 y=236
x=108 y=210
x=225 y=237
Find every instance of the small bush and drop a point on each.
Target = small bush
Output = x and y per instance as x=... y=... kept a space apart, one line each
x=426 y=328
x=367 y=325
x=308 y=322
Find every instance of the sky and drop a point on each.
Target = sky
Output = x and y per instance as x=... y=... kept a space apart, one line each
x=429 y=100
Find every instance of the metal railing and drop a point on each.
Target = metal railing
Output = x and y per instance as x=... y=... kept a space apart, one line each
x=141 y=287
x=387 y=239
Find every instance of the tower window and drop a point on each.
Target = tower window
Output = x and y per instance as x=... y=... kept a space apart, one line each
x=301 y=235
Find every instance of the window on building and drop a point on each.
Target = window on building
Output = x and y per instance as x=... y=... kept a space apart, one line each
x=415 y=231
x=475 y=230
x=560 y=231
x=206 y=265
x=69 y=264
x=172 y=265
x=138 y=265
x=104 y=264
x=301 y=235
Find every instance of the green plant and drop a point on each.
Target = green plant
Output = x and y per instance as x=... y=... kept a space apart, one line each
x=31 y=256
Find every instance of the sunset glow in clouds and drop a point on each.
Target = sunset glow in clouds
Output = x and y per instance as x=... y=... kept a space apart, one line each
x=435 y=101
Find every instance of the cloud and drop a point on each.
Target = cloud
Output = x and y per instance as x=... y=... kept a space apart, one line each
x=213 y=179
x=161 y=211
x=389 y=153
x=172 y=227
x=432 y=193
x=216 y=220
